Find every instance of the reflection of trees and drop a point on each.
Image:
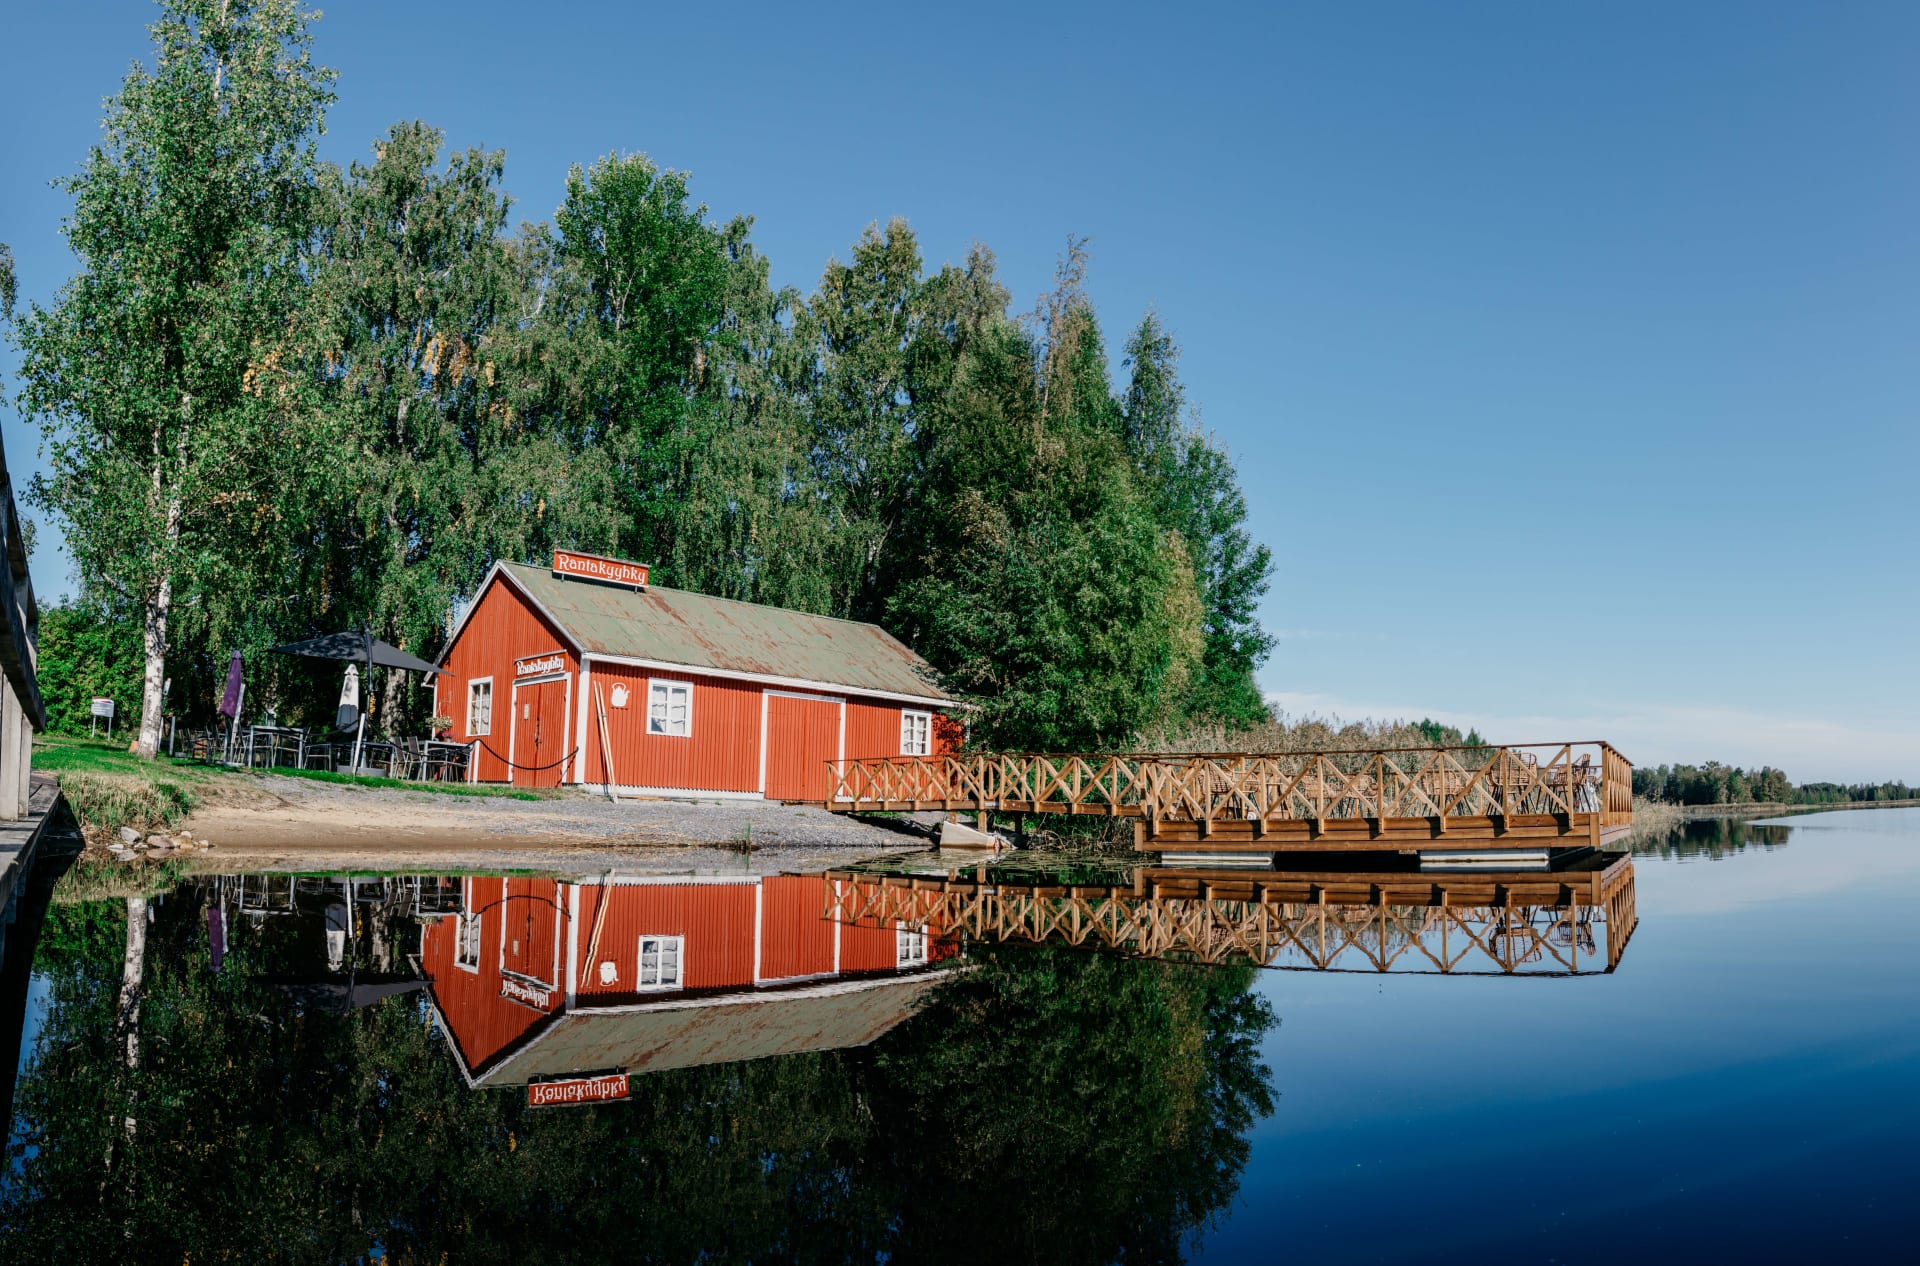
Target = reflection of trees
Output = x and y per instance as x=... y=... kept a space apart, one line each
x=1711 y=837
x=1049 y=1105
x=1062 y=1106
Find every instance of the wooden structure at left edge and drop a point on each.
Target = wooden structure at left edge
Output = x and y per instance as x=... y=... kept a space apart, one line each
x=1515 y=796
x=584 y=673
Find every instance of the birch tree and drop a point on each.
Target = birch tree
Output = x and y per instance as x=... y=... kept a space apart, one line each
x=160 y=377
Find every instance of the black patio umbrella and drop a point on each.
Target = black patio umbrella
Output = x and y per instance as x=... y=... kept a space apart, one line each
x=360 y=648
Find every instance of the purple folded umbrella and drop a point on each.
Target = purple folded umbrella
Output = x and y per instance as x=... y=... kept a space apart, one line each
x=230 y=701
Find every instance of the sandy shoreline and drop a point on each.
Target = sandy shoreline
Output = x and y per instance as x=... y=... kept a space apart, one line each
x=277 y=823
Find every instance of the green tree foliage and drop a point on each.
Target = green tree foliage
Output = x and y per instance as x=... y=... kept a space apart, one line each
x=1197 y=495
x=358 y=389
x=1440 y=735
x=1097 y=1106
x=84 y=653
x=871 y=325
x=683 y=351
x=175 y=424
x=1715 y=783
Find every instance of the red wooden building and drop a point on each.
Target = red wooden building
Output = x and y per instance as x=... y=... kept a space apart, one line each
x=702 y=696
x=542 y=978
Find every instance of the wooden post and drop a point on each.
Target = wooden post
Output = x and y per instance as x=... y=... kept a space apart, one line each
x=606 y=746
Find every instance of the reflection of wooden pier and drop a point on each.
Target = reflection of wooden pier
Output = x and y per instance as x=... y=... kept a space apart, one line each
x=1513 y=797
x=1566 y=922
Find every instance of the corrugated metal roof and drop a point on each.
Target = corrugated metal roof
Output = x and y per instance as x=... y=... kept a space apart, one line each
x=719 y=634
x=720 y=1030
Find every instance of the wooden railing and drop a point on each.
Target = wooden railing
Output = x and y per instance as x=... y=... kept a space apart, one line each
x=1546 y=925
x=1440 y=783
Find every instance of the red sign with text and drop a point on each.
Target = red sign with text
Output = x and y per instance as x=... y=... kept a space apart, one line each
x=554 y=1094
x=614 y=571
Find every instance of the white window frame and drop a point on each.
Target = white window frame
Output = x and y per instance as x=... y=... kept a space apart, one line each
x=472 y=686
x=462 y=922
x=669 y=685
x=659 y=984
x=909 y=945
x=909 y=718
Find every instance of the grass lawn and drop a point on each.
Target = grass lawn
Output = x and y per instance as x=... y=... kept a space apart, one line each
x=109 y=787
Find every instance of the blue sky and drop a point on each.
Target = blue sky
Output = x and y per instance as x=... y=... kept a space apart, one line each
x=1566 y=351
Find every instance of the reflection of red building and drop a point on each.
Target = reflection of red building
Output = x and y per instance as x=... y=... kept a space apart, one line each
x=700 y=694
x=539 y=978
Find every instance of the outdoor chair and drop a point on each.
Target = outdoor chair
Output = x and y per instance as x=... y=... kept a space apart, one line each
x=376 y=756
x=410 y=759
x=330 y=751
x=268 y=746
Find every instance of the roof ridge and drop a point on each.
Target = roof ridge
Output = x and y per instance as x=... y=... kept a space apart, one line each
x=711 y=597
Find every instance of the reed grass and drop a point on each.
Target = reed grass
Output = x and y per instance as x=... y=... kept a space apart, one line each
x=1284 y=734
x=93 y=879
x=1655 y=817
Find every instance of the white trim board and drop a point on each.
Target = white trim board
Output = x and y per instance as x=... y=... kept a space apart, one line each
x=764 y=695
x=834 y=688
x=580 y=737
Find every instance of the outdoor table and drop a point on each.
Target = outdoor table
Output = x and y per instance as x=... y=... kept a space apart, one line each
x=270 y=745
x=441 y=761
x=376 y=757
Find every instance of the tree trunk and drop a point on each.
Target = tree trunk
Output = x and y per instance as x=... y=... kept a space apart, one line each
x=393 y=693
x=153 y=697
x=133 y=975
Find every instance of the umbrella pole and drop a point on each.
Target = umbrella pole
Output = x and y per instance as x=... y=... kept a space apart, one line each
x=366 y=697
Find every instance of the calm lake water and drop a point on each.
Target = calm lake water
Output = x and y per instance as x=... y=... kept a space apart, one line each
x=352 y=1082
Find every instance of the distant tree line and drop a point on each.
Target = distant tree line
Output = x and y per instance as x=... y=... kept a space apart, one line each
x=281 y=398
x=1715 y=783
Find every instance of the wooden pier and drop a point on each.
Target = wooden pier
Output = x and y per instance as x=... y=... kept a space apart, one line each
x=1516 y=796
x=1572 y=922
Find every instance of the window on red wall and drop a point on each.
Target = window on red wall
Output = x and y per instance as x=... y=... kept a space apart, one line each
x=480 y=706
x=466 y=942
x=660 y=962
x=670 y=708
x=910 y=945
x=916 y=734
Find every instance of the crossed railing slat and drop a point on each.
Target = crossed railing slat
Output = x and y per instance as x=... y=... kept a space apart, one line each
x=1492 y=781
x=1567 y=937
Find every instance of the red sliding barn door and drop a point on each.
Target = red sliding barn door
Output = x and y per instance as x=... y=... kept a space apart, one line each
x=530 y=930
x=802 y=736
x=540 y=732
